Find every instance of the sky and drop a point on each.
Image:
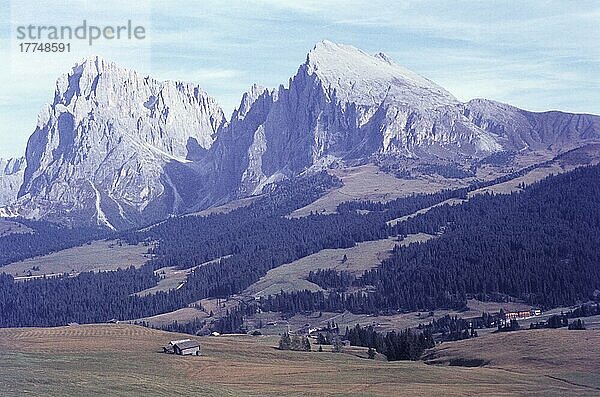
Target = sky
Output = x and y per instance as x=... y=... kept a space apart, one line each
x=537 y=55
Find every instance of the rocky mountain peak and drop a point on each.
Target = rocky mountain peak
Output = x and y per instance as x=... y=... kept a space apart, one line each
x=117 y=149
x=11 y=165
x=112 y=143
x=97 y=86
x=366 y=79
x=248 y=99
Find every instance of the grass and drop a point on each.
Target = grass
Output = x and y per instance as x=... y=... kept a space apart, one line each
x=182 y=316
x=172 y=277
x=361 y=257
x=559 y=353
x=367 y=182
x=227 y=207
x=275 y=323
x=124 y=360
x=99 y=255
x=555 y=167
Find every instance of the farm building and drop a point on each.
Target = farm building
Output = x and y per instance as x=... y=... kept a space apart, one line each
x=506 y=317
x=517 y=315
x=184 y=347
x=521 y=314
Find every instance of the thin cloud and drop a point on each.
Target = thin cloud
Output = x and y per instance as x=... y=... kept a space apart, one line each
x=203 y=75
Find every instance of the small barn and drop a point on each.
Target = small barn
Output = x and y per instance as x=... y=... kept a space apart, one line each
x=184 y=347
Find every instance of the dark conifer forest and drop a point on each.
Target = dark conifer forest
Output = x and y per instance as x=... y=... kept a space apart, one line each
x=541 y=245
x=403 y=345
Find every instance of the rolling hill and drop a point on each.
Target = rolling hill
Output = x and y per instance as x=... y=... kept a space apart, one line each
x=126 y=360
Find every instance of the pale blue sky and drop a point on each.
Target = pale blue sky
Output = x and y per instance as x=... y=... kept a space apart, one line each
x=538 y=55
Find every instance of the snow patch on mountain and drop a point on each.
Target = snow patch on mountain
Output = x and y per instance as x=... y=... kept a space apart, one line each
x=354 y=76
x=101 y=219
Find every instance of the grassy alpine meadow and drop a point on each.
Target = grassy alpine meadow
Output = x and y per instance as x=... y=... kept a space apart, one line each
x=124 y=360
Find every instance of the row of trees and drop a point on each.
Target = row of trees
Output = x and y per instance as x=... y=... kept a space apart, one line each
x=331 y=279
x=451 y=328
x=294 y=342
x=559 y=321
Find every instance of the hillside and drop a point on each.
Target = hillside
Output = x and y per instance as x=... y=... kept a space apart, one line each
x=126 y=360
x=478 y=252
x=570 y=356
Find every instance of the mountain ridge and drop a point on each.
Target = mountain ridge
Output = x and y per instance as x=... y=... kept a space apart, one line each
x=118 y=149
x=330 y=120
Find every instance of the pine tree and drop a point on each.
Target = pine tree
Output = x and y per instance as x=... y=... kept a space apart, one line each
x=285 y=343
x=321 y=339
x=577 y=325
x=305 y=344
x=297 y=343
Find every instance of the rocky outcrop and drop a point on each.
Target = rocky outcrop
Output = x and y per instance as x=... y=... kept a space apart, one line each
x=11 y=178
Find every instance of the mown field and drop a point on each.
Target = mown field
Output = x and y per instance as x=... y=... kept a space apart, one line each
x=122 y=360
x=367 y=182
